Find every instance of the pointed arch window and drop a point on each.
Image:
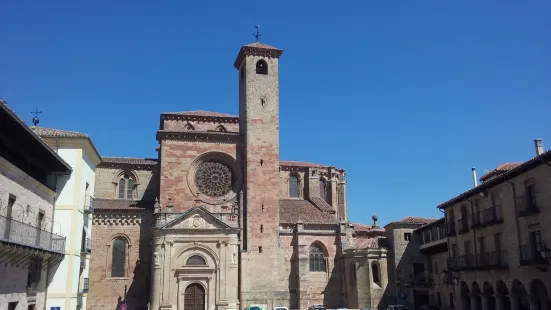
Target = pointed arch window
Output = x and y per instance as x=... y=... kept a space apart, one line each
x=126 y=187
x=317 y=259
x=323 y=189
x=118 y=260
x=294 y=186
x=196 y=260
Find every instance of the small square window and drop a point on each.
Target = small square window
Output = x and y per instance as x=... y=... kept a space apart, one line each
x=407 y=236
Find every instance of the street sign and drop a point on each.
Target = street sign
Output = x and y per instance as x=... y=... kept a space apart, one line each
x=124 y=307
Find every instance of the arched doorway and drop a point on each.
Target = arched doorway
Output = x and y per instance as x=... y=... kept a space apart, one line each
x=538 y=296
x=502 y=297
x=194 y=297
x=520 y=296
x=488 y=293
x=476 y=297
x=465 y=298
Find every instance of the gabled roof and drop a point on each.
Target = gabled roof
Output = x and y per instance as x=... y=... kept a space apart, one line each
x=128 y=160
x=44 y=132
x=499 y=170
x=321 y=204
x=518 y=170
x=413 y=220
x=57 y=133
x=200 y=210
x=262 y=45
x=291 y=211
x=201 y=113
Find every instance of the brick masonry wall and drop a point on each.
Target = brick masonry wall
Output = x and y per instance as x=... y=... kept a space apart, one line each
x=106 y=292
x=181 y=125
x=176 y=157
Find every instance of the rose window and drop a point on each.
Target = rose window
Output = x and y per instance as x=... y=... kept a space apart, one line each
x=213 y=179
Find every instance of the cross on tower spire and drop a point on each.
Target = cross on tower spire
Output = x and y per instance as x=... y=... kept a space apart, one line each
x=257 y=35
x=35 y=118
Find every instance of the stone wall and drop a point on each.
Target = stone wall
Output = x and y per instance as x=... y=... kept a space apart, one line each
x=106 y=292
x=107 y=180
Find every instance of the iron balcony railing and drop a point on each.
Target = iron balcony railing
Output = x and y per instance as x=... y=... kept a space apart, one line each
x=475 y=220
x=483 y=261
x=450 y=229
x=89 y=207
x=83 y=285
x=526 y=205
x=13 y=231
x=492 y=216
x=534 y=254
x=463 y=225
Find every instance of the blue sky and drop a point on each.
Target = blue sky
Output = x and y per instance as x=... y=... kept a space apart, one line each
x=407 y=96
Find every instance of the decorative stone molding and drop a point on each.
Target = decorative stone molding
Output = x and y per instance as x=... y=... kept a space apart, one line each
x=118 y=219
x=225 y=159
x=199 y=136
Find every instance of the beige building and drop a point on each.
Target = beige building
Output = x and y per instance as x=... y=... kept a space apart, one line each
x=30 y=253
x=497 y=235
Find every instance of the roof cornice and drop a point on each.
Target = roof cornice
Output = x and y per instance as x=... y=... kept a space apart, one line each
x=202 y=136
x=256 y=50
x=201 y=118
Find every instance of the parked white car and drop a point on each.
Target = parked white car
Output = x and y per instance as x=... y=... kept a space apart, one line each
x=281 y=308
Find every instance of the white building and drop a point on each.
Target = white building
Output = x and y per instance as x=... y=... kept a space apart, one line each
x=74 y=209
x=29 y=251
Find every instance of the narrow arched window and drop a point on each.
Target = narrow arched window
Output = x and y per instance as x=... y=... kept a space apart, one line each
x=118 y=262
x=323 y=189
x=261 y=67
x=122 y=188
x=126 y=187
x=317 y=260
x=196 y=260
x=375 y=273
x=294 y=189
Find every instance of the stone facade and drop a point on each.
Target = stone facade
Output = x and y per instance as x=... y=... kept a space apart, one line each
x=229 y=225
x=490 y=251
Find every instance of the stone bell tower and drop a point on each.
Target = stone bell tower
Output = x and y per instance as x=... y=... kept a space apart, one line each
x=259 y=125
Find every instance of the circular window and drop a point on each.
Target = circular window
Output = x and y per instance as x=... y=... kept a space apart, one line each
x=214 y=179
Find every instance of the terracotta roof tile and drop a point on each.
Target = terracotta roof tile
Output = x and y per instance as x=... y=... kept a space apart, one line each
x=202 y=113
x=532 y=163
x=300 y=164
x=122 y=204
x=293 y=210
x=499 y=170
x=322 y=204
x=361 y=227
x=370 y=243
x=262 y=45
x=57 y=133
x=415 y=220
x=128 y=160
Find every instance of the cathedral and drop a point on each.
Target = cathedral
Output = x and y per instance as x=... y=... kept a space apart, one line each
x=218 y=221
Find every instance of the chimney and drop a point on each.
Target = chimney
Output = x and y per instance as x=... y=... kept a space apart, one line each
x=475 y=181
x=538 y=143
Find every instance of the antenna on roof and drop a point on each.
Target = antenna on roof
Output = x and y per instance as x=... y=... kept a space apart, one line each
x=35 y=118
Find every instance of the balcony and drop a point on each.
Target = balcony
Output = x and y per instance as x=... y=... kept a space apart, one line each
x=83 y=286
x=475 y=220
x=434 y=238
x=450 y=229
x=492 y=260
x=15 y=232
x=463 y=226
x=534 y=254
x=526 y=205
x=89 y=205
x=492 y=216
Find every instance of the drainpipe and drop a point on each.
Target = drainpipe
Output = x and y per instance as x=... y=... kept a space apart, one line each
x=516 y=213
x=239 y=262
x=474 y=232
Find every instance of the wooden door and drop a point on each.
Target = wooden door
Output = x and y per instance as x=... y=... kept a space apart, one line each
x=194 y=297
